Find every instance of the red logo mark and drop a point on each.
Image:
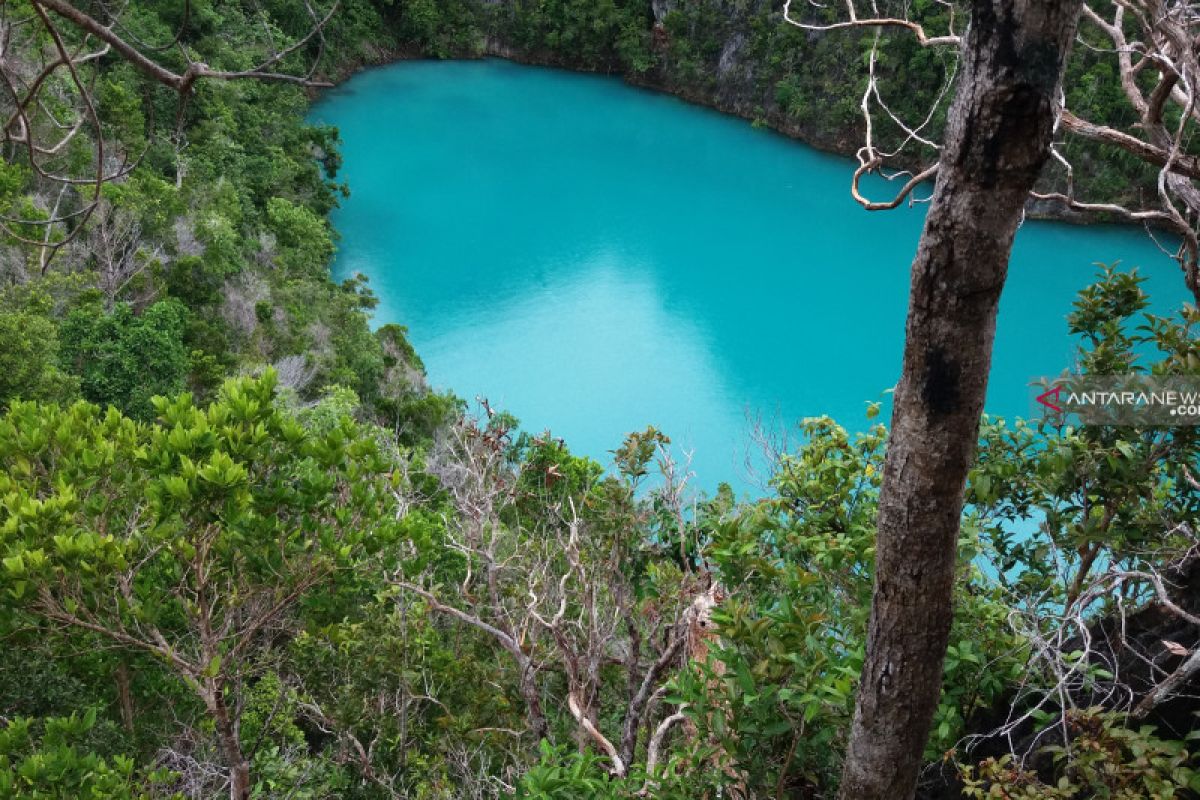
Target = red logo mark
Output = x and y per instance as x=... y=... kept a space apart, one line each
x=1049 y=399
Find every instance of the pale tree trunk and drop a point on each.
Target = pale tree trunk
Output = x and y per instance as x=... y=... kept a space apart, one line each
x=997 y=140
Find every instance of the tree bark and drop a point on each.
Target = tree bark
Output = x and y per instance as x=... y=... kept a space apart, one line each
x=641 y=697
x=997 y=139
x=228 y=740
x=532 y=695
x=125 y=695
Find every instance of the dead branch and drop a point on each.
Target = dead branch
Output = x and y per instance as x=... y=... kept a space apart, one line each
x=1165 y=45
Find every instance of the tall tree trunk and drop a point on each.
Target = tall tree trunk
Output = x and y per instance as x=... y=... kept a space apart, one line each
x=228 y=740
x=997 y=140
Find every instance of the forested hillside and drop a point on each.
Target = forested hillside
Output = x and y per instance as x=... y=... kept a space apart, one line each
x=245 y=551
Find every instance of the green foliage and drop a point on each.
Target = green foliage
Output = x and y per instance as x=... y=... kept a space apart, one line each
x=150 y=199
x=239 y=483
x=1106 y=759
x=565 y=775
x=305 y=244
x=439 y=28
x=1104 y=493
x=29 y=368
x=213 y=520
x=123 y=358
x=235 y=199
x=1057 y=507
x=43 y=760
x=129 y=534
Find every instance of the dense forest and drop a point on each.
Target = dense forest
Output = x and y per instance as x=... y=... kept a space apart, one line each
x=246 y=551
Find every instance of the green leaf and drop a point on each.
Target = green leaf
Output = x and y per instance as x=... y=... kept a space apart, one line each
x=213 y=667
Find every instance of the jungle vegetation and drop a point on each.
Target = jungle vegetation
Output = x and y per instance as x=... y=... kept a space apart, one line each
x=245 y=551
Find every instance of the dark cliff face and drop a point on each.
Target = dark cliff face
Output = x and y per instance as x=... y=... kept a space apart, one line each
x=738 y=57
x=756 y=59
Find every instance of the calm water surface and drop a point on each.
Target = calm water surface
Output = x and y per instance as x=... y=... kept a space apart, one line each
x=596 y=258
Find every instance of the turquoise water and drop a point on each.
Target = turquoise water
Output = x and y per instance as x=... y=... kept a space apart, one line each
x=595 y=258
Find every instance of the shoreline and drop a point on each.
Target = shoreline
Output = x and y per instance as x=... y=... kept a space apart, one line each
x=770 y=119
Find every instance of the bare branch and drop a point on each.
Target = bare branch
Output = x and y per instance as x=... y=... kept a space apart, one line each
x=918 y=31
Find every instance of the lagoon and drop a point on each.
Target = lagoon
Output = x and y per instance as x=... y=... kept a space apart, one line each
x=596 y=258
